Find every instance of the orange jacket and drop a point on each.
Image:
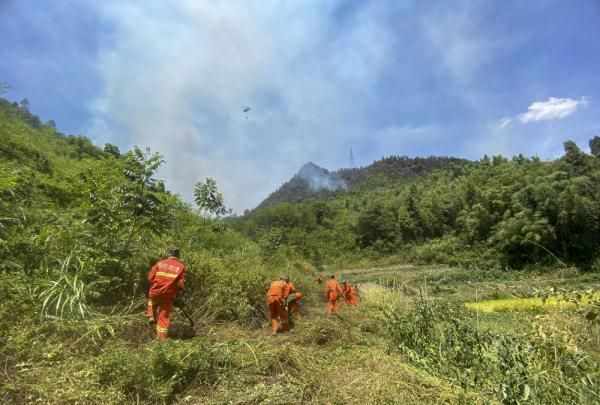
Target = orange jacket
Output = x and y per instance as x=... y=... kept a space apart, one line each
x=346 y=290
x=279 y=290
x=332 y=289
x=165 y=276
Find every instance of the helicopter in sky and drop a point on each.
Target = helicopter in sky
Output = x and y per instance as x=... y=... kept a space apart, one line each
x=246 y=110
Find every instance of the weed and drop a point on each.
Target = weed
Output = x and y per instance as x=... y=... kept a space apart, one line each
x=65 y=296
x=445 y=340
x=162 y=370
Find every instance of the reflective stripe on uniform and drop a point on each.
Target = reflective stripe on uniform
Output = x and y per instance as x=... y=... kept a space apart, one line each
x=170 y=275
x=159 y=329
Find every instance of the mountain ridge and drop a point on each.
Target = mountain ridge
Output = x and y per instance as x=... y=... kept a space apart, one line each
x=315 y=182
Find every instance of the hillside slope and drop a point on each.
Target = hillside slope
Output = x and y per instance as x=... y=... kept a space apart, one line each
x=314 y=182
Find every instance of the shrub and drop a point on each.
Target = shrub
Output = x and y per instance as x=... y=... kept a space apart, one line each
x=454 y=252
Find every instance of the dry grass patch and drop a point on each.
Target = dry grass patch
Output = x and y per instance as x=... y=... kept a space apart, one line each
x=528 y=304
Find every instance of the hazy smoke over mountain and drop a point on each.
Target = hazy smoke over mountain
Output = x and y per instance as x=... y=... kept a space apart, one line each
x=320 y=179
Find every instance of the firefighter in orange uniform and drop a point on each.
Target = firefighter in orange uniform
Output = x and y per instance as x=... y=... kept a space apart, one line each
x=166 y=281
x=346 y=292
x=276 y=296
x=332 y=291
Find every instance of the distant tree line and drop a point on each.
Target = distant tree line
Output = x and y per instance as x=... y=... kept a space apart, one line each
x=494 y=212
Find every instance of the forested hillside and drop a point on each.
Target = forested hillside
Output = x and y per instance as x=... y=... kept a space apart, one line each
x=313 y=182
x=496 y=212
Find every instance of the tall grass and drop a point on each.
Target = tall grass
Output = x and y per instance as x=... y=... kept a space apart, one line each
x=379 y=297
x=65 y=297
x=537 y=368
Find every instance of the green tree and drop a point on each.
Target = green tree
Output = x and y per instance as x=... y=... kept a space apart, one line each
x=378 y=223
x=140 y=195
x=595 y=146
x=24 y=104
x=269 y=242
x=573 y=155
x=112 y=150
x=208 y=198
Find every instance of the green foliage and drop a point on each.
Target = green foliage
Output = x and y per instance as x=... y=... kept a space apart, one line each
x=8 y=179
x=161 y=371
x=140 y=197
x=208 y=198
x=377 y=225
x=587 y=303
x=595 y=146
x=18 y=298
x=382 y=173
x=64 y=298
x=446 y=340
x=270 y=242
x=112 y=150
x=498 y=212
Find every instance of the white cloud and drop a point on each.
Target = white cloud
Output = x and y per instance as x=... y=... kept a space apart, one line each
x=504 y=122
x=554 y=108
x=508 y=136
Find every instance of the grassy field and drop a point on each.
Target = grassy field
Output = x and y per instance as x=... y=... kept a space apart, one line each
x=357 y=357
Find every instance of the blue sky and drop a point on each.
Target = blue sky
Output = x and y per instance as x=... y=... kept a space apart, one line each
x=461 y=78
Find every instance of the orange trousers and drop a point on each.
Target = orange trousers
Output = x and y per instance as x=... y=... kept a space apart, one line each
x=333 y=305
x=159 y=308
x=278 y=311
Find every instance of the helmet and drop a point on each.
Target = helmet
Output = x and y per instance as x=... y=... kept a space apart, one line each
x=174 y=252
x=285 y=278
